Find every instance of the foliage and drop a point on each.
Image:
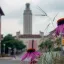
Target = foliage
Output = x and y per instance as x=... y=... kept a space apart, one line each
x=58 y=41
x=41 y=45
x=47 y=44
x=57 y=49
x=10 y=41
x=58 y=44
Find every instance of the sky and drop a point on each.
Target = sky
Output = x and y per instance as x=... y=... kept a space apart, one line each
x=12 y=22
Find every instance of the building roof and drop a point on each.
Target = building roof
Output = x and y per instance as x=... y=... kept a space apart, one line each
x=29 y=36
x=1 y=12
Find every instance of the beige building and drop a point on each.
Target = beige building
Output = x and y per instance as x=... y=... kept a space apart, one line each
x=27 y=38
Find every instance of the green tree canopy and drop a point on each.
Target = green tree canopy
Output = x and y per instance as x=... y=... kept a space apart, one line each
x=46 y=44
x=10 y=41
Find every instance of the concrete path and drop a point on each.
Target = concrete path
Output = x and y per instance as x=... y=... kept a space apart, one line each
x=12 y=60
x=6 y=61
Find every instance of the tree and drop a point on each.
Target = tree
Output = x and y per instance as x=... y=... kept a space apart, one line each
x=41 y=46
x=47 y=45
x=10 y=41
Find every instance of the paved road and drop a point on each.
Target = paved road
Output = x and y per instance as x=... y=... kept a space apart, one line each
x=13 y=60
x=6 y=61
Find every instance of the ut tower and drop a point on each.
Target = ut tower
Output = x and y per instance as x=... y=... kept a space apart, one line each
x=27 y=23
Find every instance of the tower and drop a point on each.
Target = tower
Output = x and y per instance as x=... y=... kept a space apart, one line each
x=27 y=24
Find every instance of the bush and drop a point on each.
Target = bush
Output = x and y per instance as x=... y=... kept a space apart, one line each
x=11 y=42
x=57 y=49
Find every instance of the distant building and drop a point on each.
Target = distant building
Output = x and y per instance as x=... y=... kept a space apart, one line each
x=28 y=38
x=1 y=14
x=27 y=35
x=27 y=24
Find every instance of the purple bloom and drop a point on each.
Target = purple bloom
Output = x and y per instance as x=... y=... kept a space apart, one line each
x=32 y=55
x=60 y=29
